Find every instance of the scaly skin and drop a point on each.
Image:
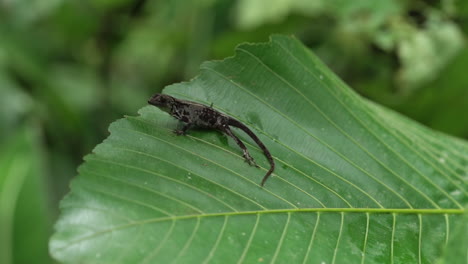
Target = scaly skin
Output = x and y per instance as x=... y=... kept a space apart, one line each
x=197 y=115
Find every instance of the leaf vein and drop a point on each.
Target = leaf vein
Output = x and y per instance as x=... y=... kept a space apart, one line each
x=252 y=234
x=280 y=242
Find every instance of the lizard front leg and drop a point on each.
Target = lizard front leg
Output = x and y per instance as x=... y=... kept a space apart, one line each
x=184 y=129
x=246 y=153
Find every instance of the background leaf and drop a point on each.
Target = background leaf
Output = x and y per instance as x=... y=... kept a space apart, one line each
x=24 y=212
x=354 y=183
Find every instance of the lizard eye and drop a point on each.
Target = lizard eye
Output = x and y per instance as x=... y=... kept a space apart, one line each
x=157 y=100
x=161 y=100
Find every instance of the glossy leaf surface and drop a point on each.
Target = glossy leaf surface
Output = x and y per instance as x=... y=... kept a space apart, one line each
x=354 y=183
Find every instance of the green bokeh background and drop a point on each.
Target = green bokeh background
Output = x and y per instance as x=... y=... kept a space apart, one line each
x=70 y=68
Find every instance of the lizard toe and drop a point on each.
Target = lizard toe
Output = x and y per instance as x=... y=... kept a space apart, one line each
x=179 y=132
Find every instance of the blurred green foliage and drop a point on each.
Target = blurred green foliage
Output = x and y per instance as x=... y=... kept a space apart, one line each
x=69 y=68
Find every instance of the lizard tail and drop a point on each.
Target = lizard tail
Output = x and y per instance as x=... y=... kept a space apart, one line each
x=233 y=122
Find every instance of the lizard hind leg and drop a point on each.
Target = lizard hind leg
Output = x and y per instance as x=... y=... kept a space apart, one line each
x=249 y=159
x=245 y=152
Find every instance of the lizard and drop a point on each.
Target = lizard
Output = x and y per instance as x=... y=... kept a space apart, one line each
x=202 y=116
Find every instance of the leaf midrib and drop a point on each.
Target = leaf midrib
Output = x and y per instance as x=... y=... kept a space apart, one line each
x=393 y=211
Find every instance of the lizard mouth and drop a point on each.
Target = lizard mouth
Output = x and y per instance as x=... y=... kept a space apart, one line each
x=155 y=100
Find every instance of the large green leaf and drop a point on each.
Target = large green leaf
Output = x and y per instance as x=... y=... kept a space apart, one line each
x=355 y=182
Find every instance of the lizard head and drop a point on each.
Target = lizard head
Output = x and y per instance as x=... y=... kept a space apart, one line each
x=162 y=101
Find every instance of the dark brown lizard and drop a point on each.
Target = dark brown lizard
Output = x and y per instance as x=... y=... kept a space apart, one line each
x=198 y=115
